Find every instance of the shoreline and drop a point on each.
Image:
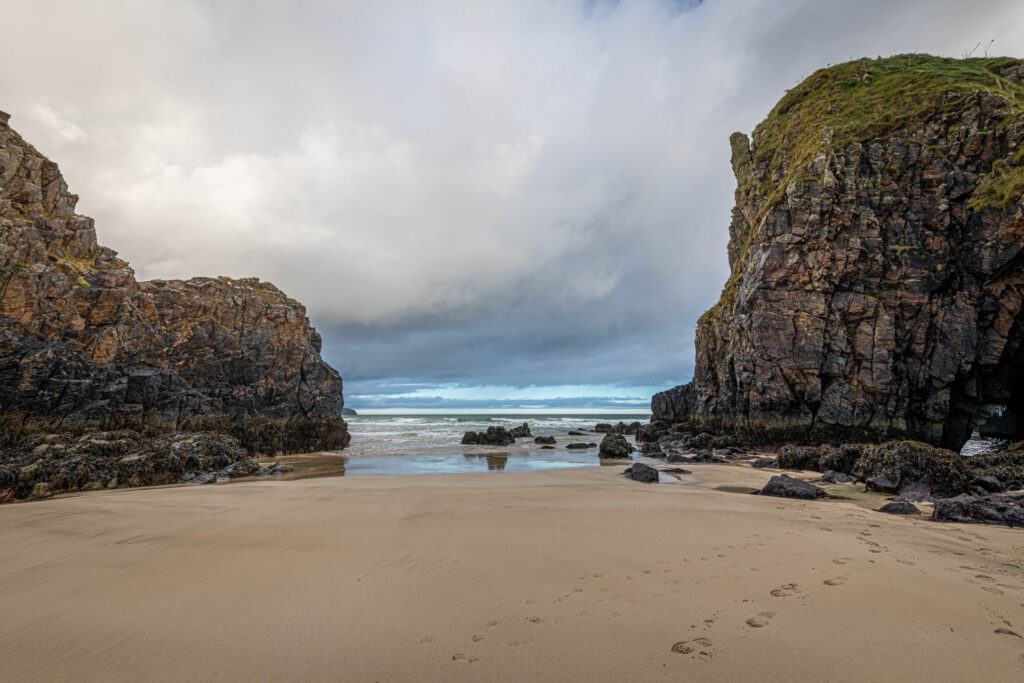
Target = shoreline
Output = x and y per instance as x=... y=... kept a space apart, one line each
x=547 y=575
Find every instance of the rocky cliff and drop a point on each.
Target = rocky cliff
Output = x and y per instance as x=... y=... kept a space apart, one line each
x=82 y=343
x=876 y=254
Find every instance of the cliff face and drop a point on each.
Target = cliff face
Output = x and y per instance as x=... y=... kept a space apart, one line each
x=876 y=254
x=81 y=342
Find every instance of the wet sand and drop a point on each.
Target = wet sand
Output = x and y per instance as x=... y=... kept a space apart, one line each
x=574 y=574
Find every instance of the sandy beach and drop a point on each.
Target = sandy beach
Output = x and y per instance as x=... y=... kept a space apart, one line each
x=573 y=574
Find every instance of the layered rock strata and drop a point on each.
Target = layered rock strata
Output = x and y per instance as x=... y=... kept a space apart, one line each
x=83 y=343
x=877 y=258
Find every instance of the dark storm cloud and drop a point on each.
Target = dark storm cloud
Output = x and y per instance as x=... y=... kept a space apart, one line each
x=507 y=194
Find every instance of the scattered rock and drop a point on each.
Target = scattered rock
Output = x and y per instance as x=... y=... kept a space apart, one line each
x=615 y=446
x=771 y=463
x=494 y=436
x=603 y=427
x=785 y=486
x=995 y=508
x=550 y=440
x=579 y=445
x=900 y=508
x=880 y=483
x=642 y=473
x=520 y=432
x=833 y=477
x=576 y=433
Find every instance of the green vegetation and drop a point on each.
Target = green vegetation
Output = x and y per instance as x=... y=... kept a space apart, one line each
x=19 y=264
x=864 y=100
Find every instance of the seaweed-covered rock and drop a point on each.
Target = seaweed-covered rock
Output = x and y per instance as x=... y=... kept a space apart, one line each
x=839 y=458
x=900 y=508
x=615 y=446
x=785 y=486
x=997 y=508
x=793 y=457
x=47 y=464
x=642 y=473
x=902 y=463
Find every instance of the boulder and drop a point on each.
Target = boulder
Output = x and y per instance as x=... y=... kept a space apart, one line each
x=521 y=431
x=881 y=484
x=893 y=465
x=900 y=508
x=603 y=427
x=793 y=457
x=996 y=508
x=785 y=486
x=573 y=432
x=615 y=446
x=987 y=484
x=549 y=440
x=642 y=473
x=652 y=450
x=494 y=436
x=833 y=477
x=579 y=445
x=765 y=462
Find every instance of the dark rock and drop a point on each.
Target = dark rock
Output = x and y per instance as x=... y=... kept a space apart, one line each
x=494 y=436
x=916 y=492
x=615 y=446
x=988 y=484
x=544 y=439
x=765 y=462
x=642 y=473
x=900 y=508
x=86 y=347
x=46 y=464
x=547 y=448
x=521 y=431
x=652 y=450
x=833 y=477
x=603 y=427
x=785 y=486
x=792 y=457
x=580 y=445
x=893 y=465
x=676 y=470
x=348 y=412
x=576 y=433
x=880 y=483
x=996 y=508
x=871 y=266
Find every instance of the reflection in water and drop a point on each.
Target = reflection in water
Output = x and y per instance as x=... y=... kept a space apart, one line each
x=495 y=461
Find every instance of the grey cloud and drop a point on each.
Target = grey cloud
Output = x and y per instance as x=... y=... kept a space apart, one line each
x=506 y=193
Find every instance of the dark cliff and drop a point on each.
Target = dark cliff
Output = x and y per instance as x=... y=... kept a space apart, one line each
x=82 y=344
x=876 y=253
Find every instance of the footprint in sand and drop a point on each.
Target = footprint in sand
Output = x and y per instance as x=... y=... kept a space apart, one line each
x=839 y=581
x=761 y=620
x=785 y=590
x=698 y=647
x=535 y=620
x=1008 y=632
x=477 y=639
x=491 y=624
x=842 y=560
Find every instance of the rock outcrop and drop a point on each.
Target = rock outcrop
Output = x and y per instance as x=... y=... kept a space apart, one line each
x=877 y=261
x=82 y=343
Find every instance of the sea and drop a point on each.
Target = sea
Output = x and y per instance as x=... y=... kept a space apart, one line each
x=432 y=444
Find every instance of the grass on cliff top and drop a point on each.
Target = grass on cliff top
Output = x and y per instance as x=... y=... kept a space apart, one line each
x=872 y=98
x=868 y=99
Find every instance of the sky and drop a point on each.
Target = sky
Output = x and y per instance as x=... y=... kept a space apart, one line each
x=511 y=203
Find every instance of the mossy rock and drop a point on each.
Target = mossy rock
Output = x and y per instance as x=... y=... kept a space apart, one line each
x=907 y=462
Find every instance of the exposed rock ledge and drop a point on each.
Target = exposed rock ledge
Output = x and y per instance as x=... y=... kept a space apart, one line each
x=877 y=261
x=83 y=345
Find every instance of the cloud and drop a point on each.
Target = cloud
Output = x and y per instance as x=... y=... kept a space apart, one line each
x=514 y=193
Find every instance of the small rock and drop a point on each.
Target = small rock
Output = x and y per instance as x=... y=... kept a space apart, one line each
x=833 y=477
x=642 y=473
x=900 y=508
x=580 y=445
x=880 y=483
x=766 y=462
x=544 y=440
x=785 y=486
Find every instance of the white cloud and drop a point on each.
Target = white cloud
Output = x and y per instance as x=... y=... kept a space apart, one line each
x=513 y=179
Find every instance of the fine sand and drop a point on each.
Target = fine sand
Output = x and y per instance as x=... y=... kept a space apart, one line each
x=575 y=575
